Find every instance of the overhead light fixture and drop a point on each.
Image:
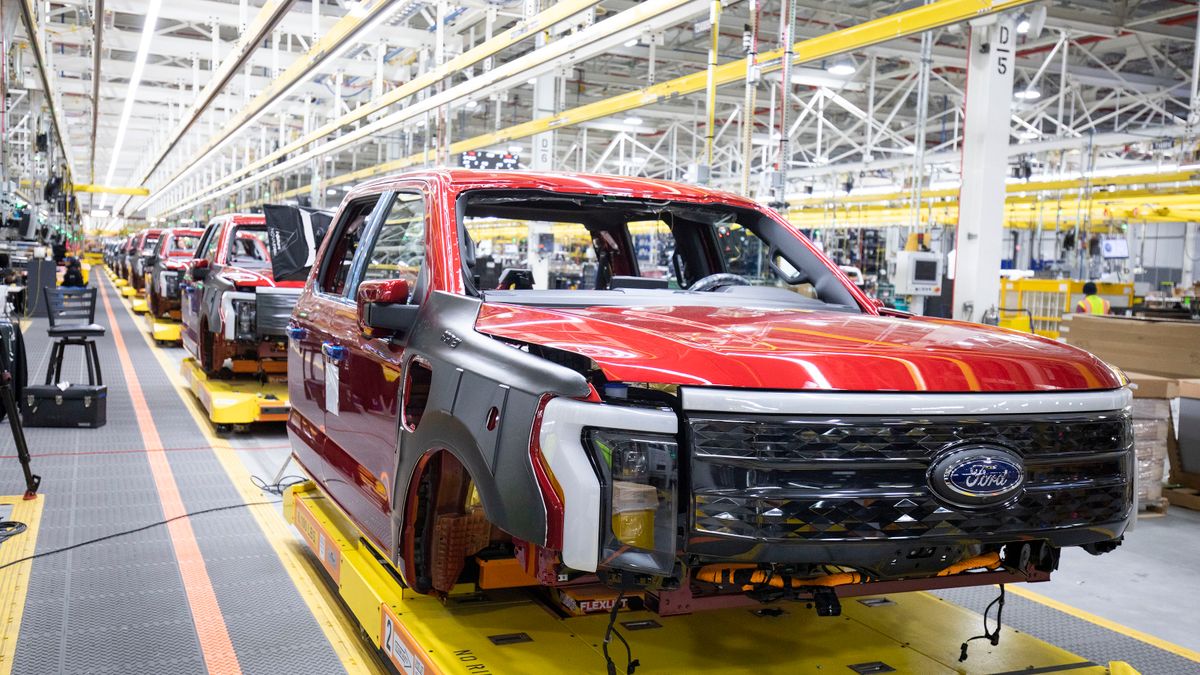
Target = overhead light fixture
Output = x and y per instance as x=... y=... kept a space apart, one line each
x=531 y=81
x=514 y=149
x=631 y=43
x=1028 y=94
x=633 y=120
x=471 y=105
x=1029 y=135
x=1023 y=25
x=99 y=213
x=135 y=79
x=841 y=68
x=331 y=191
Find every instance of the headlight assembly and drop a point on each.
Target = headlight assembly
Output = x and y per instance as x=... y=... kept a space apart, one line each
x=640 y=476
x=170 y=283
x=246 y=319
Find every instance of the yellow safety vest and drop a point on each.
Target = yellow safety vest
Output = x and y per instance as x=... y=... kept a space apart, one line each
x=1093 y=304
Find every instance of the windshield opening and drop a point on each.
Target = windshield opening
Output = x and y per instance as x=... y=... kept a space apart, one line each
x=529 y=246
x=149 y=243
x=184 y=244
x=248 y=247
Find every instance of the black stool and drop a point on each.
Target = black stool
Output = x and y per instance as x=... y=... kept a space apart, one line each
x=72 y=313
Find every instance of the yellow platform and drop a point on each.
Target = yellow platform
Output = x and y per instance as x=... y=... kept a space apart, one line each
x=140 y=305
x=513 y=632
x=121 y=284
x=14 y=579
x=237 y=401
x=128 y=291
x=164 y=330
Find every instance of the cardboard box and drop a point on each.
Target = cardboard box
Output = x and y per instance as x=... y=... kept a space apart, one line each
x=1162 y=347
x=1189 y=388
x=1153 y=386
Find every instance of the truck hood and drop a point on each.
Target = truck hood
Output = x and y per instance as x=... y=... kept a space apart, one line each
x=244 y=278
x=800 y=349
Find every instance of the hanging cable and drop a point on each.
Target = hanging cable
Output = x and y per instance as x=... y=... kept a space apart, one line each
x=631 y=663
x=989 y=635
x=143 y=528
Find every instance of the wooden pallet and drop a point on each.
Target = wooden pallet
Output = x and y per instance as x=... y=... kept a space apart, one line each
x=1188 y=498
x=1152 y=508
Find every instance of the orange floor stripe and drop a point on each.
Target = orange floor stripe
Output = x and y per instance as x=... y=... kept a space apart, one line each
x=211 y=630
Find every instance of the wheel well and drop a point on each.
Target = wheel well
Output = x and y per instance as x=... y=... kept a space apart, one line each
x=444 y=523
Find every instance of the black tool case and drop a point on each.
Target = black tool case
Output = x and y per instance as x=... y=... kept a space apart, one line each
x=79 y=405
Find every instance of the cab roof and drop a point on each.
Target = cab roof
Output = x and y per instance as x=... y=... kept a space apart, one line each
x=458 y=180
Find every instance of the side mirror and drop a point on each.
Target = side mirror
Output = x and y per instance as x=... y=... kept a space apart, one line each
x=199 y=270
x=383 y=309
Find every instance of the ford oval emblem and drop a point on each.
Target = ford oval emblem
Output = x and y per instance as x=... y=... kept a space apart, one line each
x=977 y=475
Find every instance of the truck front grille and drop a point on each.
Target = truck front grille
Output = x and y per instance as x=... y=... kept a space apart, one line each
x=781 y=479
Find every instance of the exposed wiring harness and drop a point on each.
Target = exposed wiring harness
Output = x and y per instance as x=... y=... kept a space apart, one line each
x=992 y=636
x=631 y=663
x=277 y=488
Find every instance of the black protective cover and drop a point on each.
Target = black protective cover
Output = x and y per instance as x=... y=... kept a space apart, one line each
x=293 y=235
x=12 y=358
x=79 y=405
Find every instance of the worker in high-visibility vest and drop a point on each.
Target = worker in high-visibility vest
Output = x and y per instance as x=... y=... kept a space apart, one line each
x=1092 y=303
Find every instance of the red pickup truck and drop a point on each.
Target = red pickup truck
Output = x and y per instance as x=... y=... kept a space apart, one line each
x=234 y=312
x=669 y=387
x=165 y=268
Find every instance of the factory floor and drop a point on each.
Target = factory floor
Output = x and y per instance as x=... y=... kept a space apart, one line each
x=233 y=590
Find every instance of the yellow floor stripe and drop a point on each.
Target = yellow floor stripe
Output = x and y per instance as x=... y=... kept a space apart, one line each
x=343 y=633
x=1160 y=643
x=14 y=581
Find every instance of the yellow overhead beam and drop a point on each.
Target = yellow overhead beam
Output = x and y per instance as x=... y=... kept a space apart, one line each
x=253 y=35
x=866 y=34
x=111 y=190
x=341 y=32
x=560 y=11
x=1015 y=188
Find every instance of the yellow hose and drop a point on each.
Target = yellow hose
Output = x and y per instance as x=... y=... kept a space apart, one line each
x=986 y=561
x=735 y=574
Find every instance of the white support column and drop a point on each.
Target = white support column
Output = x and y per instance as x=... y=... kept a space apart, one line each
x=990 y=66
x=1191 y=254
x=545 y=89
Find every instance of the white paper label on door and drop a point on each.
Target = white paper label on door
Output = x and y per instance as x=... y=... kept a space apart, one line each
x=332 y=387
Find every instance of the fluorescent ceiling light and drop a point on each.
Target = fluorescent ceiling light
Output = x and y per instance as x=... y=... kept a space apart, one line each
x=1023 y=26
x=531 y=81
x=99 y=213
x=633 y=120
x=135 y=79
x=1028 y=94
x=1028 y=135
x=331 y=191
x=841 y=69
x=631 y=43
x=471 y=105
x=514 y=149
x=359 y=10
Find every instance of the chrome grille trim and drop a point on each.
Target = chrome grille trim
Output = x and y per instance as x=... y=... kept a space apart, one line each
x=758 y=402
